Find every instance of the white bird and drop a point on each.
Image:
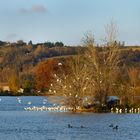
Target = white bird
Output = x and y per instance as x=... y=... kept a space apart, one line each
x=59 y=64
x=29 y=103
x=138 y=110
x=125 y=110
x=19 y=101
x=111 y=110
x=44 y=102
x=120 y=111
x=117 y=110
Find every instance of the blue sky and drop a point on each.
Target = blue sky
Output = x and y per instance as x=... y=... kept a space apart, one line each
x=68 y=20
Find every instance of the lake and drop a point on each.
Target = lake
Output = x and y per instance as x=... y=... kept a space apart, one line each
x=18 y=124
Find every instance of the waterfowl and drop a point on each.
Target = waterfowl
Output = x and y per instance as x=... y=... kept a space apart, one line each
x=19 y=101
x=115 y=128
x=111 y=125
x=69 y=126
x=29 y=103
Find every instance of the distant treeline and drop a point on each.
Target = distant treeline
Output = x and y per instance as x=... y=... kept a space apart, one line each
x=19 y=61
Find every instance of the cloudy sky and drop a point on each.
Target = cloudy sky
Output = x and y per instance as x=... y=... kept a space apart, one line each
x=68 y=20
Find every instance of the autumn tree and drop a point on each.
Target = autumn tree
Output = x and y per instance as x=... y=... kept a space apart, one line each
x=13 y=84
x=133 y=83
x=129 y=87
x=39 y=52
x=43 y=73
x=5 y=73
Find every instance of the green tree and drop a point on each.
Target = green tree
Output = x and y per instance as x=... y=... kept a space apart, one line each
x=59 y=44
x=27 y=82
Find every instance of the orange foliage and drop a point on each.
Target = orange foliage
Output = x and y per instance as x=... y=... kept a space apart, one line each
x=43 y=73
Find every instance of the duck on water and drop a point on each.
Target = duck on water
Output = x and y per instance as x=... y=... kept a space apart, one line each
x=70 y=126
x=113 y=127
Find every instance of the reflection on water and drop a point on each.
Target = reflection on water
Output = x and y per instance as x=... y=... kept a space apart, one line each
x=17 y=124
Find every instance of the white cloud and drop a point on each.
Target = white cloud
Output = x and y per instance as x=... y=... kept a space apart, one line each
x=38 y=8
x=34 y=9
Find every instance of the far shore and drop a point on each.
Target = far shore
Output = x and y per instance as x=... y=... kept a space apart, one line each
x=23 y=94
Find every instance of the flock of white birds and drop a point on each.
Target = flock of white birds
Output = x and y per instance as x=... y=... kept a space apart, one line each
x=125 y=110
x=57 y=108
x=66 y=109
x=45 y=108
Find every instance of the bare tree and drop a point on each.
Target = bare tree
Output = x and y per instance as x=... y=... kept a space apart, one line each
x=73 y=84
x=90 y=74
x=103 y=62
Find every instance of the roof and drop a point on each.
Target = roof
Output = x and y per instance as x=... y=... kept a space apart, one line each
x=112 y=98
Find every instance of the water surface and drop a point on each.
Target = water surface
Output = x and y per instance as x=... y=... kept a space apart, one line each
x=17 y=124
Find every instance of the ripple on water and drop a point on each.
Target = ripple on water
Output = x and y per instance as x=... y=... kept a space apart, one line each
x=17 y=124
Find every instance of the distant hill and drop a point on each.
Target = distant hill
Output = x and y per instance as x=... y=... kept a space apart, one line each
x=21 y=58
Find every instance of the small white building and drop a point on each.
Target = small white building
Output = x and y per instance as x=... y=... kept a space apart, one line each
x=4 y=87
x=21 y=90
